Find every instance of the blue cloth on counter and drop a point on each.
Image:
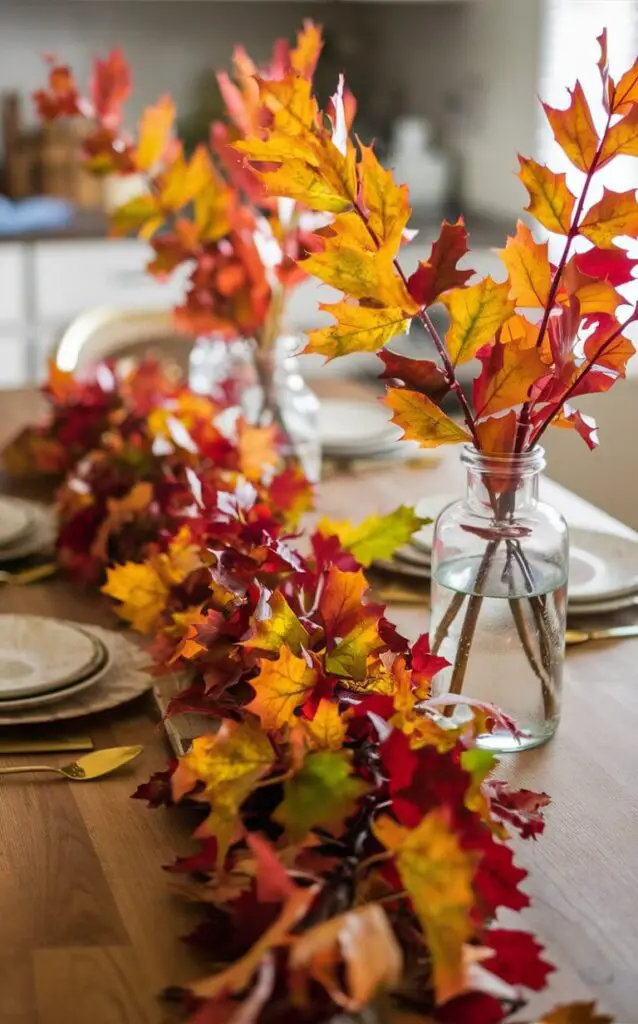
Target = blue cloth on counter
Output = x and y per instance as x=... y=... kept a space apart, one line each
x=38 y=213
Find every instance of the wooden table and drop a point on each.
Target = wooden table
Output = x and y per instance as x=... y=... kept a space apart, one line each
x=88 y=929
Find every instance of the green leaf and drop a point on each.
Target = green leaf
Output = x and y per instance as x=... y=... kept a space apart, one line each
x=376 y=536
x=322 y=793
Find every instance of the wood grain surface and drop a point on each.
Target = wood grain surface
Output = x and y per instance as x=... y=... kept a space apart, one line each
x=88 y=929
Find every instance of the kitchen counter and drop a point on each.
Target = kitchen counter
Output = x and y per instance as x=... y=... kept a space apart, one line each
x=86 y=224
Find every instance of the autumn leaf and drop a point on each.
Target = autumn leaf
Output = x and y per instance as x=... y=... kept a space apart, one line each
x=110 y=87
x=278 y=627
x=376 y=536
x=574 y=129
x=576 y=1013
x=507 y=375
x=228 y=764
x=387 y=204
x=118 y=512
x=184 y=179
x=357 y=329
x=551 y=202
x=497 y=434
x=304 y=56
x=322 y=793
x=154 y=133
x=361 y=274
x=520 y=331
x=141 y=590
x=349 y=657
x=280 y=688
x=327 y=730
x=140 y=213
x=417 y=374
x=438 y=876
x=621 y=139
x=421 y=419
x=440 y=272
x=342 y=597
x=476 y=313
x=360 y=943
x=625 y=95
x=528 y=268
x=257 y=449
x=616 y=214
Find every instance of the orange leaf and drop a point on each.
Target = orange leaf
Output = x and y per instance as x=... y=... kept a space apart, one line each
x=386 y=202
x=625 y=94
x=520 y=331
x=421 y=420
x=528 y=267
x=438 y=875
x=184 y=179
x=476 y=313
x=497 y=434
x=576 y=1013
x=154 y=133
x=342 y=597
x=574 y=129
x=327 y=730
x=616 y=214
x=621 y=139
x=305 y=55
x=508 y=373
x=257 y=449
x=357 y=329
x=280 y=688
x=551 y=202
x=349 y=658
x=280 y=627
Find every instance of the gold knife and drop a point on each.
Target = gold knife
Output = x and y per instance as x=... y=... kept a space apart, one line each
x=33 y=745
x=581 y=636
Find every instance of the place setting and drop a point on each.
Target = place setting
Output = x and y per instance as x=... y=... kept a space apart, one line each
x=363 y=433
x=27 y=530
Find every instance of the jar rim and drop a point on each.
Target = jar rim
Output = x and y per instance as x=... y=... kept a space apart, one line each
x=530 y=461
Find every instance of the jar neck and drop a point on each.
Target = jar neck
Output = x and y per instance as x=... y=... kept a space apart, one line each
x=502 y=486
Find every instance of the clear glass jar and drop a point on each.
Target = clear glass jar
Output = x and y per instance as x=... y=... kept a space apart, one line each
x=499 y=583
x=266 y=388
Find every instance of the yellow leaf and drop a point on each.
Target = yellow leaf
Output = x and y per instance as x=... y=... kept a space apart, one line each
x=506 y=377
x=574 y=129
x=551 y=202
x=228 y=763
x=118 y=512
x=154 y=133
x=280 y=627
x=621 y=139
x=438 y=875
x=305 y=54
x=327 y=730
x=361 y=274
x=476 y=313
x=280 y=688
x=528 y=268
x=386 y=202
x=616 y=214
x=576 y=1013
x=519 y=331
x=292 y=103
x=184 y=180
x=141 y=590
x=357 y=329
x=139 y=213
x=376 y=536
x=349 y=658
x=421 y=419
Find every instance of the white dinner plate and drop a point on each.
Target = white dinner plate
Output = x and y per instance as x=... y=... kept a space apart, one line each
x=39 y=538
x=64 y=692
x=430 y=508
x=38 y=655
x=617 y=604
x=602 y=567
x=15 y=520
x=357 y=427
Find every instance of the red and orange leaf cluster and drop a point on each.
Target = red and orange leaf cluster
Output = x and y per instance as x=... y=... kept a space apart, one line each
x=545 y=334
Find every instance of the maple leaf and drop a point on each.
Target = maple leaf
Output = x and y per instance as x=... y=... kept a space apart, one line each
x=377 y=536
x=357 y=329
x=438 y=875
x=280 y=688
x=621 y=139
x=154 y=133
x=277 y=628
x=625 y=93
x=257 y=449
x=440 y=273
x=616 y=214
x=528 y=268
x=323 y=792
x=342 y=596
x=304 y=57
x=421 y=419
x=417 y=374
x=292 y=493
x=574 y=129
x=576 y=1013
x=327 y=729
x=118 y=512
x=360 y=943
x=476 y=313
x=516 y=958
x=141 y=590
x=551 y=202
x=228 y=764
x=349 y=657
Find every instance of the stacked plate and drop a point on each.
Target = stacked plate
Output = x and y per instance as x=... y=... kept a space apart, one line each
x=414 y=560
x=26 y=528
x=361 y=430
x=43 y=661
x=603 y=572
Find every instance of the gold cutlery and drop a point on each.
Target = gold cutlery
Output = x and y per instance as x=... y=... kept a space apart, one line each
x=581 y=636
x=91 y=766
x=394 y=593
x=32 y=575
x=41 y=745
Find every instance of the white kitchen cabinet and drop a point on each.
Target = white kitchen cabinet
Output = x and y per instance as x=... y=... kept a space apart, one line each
x=13 y=360
x=11 y=284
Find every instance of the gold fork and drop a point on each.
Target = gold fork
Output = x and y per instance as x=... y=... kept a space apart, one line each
x=91 y=766
x=581 y=636
x=37 y=572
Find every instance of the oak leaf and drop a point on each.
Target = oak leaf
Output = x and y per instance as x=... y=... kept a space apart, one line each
x=621 y=139
x=616 y=214
x=362 y=275
x=574 y=129
x=497 y=434
x=476 y=313
x=438 y=876
x=519 y=330
x=551 y=202
x=417 y=374
x=625 y=93
x=528 y=268
x=110 y=87
x=421 y=419
x=507 y=375
x=439 y=273
x=323 y=793
x=386 y=203
x=304 y=56
x=376 y=536
x=327 y=730
x=357 y=329
x=280 y=688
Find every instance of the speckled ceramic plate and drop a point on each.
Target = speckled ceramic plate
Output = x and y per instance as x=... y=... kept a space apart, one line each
x=94 y=674
x=602 y=567
x=38 y=655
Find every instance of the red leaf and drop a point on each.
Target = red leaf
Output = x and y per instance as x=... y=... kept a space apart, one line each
x=517 y=958
x=273 y=881
x=203 y=861
x=424 y=664
x=419 y=374
x=110 y=87
x=585 y=426
x=157 y=791
x=439 y=273
x=497 y=878
x=522 y=808
x=471 y=1008
x=612 y=265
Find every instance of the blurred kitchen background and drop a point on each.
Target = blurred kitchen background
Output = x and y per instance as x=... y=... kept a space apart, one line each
x=448 y=88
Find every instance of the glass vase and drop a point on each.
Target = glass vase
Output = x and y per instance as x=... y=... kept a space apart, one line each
x=266 y=387
x=499 y=581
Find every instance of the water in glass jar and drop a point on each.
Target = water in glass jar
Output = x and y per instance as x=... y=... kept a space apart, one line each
x=514 y=658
